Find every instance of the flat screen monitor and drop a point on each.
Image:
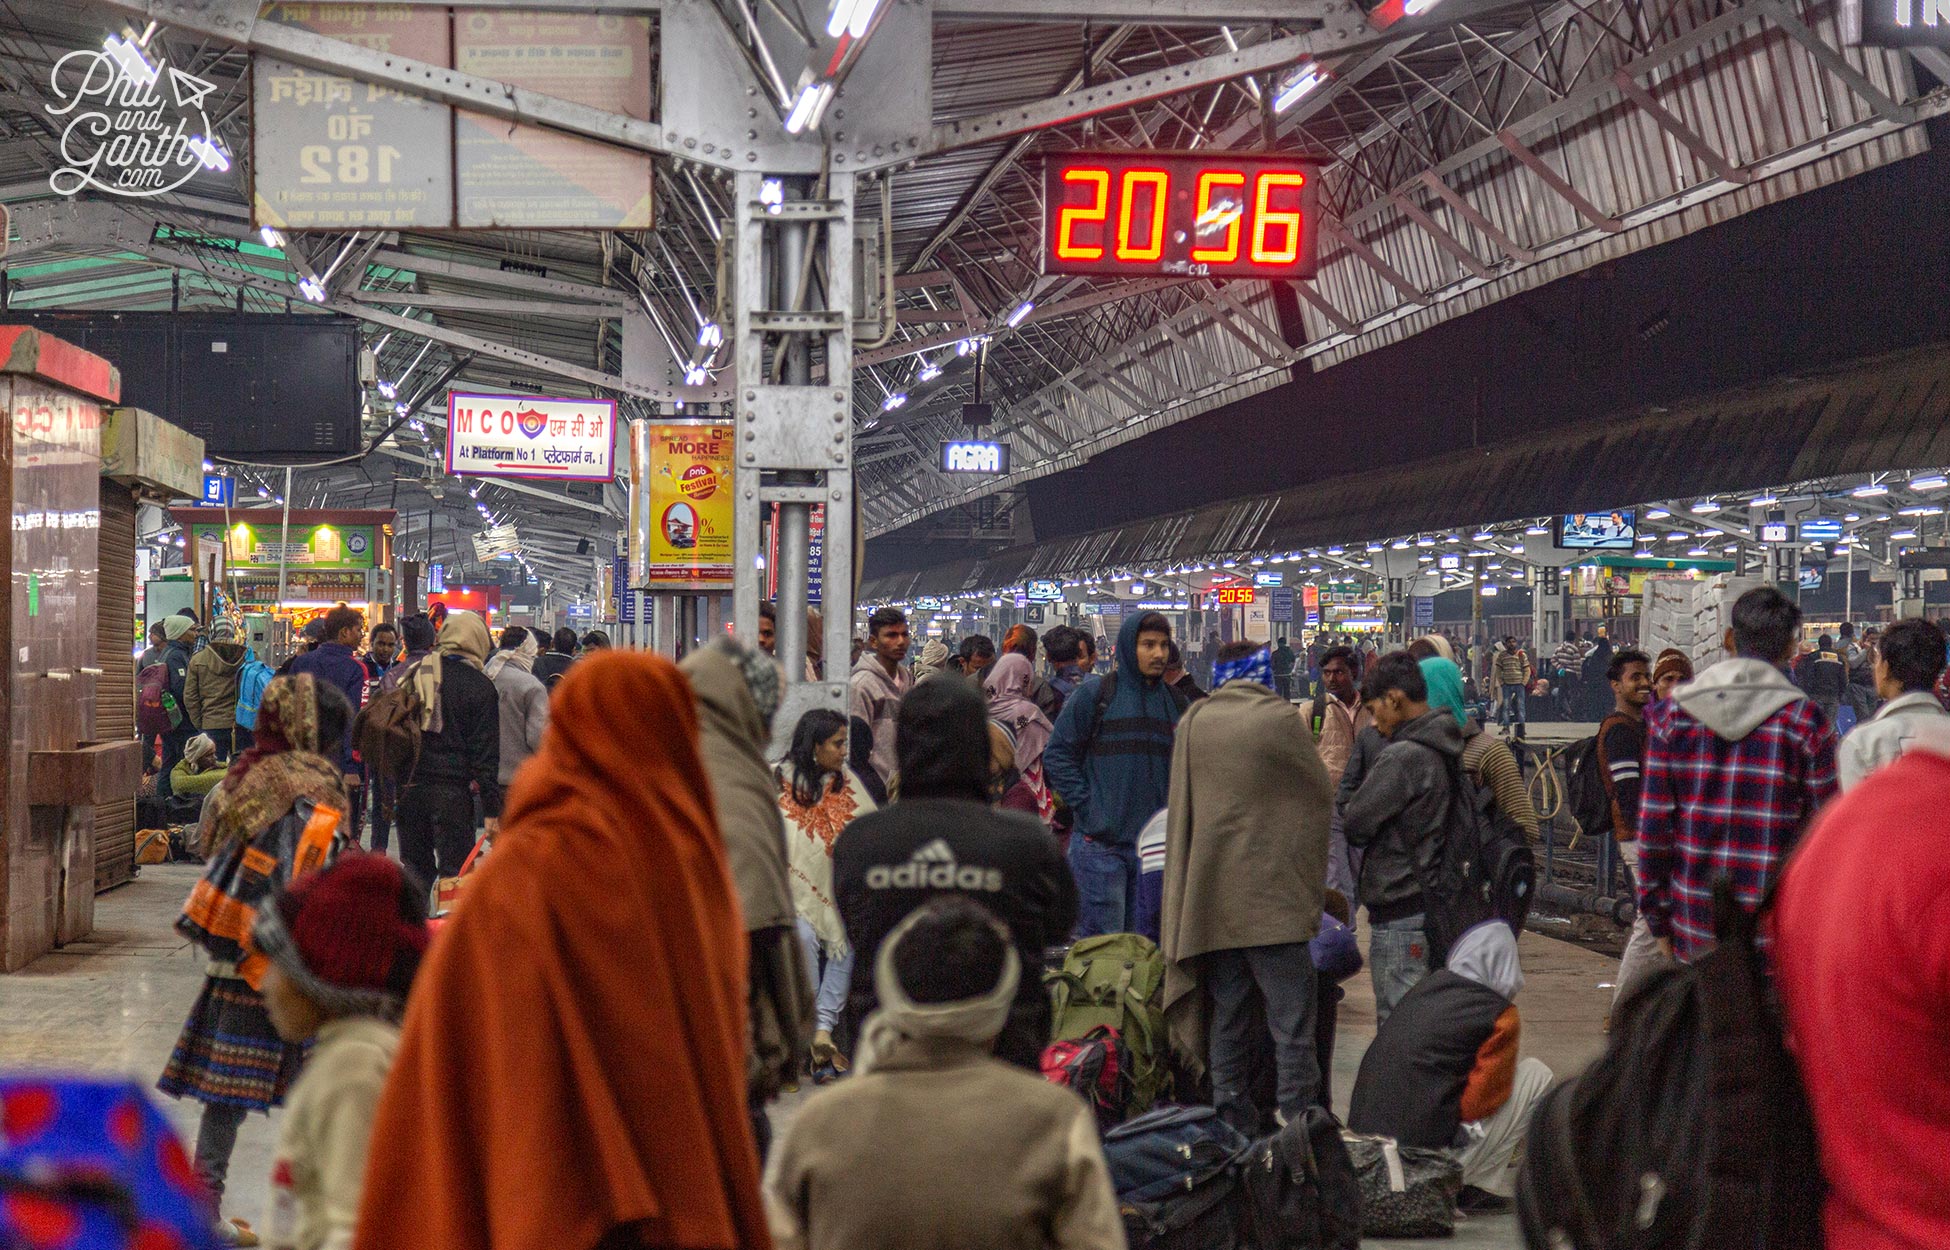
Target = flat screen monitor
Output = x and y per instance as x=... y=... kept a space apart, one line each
x=1615 y=530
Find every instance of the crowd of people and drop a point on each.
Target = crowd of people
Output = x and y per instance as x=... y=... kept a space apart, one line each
x=672 y=927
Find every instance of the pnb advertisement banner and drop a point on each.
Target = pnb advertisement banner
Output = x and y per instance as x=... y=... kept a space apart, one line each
x=563 y=440
x=690 y=489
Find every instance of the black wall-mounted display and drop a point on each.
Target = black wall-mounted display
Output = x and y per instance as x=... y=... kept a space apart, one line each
x=270 y=386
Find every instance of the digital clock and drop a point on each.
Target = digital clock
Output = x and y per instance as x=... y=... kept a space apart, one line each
x=1236 y=594
x=1190 y=215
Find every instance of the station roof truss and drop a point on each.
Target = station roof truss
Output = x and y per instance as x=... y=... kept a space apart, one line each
x=1863 y=444
x=1478 y=150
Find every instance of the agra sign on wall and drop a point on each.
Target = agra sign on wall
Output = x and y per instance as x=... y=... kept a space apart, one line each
x=563 y=440
x=129 y=125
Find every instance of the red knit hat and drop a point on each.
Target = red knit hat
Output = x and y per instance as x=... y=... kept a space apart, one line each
x=351 y=936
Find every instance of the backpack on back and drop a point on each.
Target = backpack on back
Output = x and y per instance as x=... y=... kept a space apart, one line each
x=1584 y=788
x=386 y=733
x=156 y=712
x=251 y=680
x=1486 y=870
x=1691 y=1131
x=1116 y=980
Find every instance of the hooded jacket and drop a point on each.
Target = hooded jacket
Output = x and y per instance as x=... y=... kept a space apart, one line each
x=1913 y=716
x=1399 y=811
x=210 y=685
x=1448 y=1051
x=1735 y=763
x=876 y=699
x=1115 y=772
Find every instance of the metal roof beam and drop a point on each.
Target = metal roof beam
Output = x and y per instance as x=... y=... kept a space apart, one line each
x=520 y=488
x=236 y=22
x=1143 y=12
x=481 y=304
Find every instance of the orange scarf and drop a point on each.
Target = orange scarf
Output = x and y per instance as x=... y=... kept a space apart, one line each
x=573 y=1060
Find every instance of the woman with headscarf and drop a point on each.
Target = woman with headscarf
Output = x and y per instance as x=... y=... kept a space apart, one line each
x=820 y=797
x=460 y=750
x=279 y=812
x=1009 y=687
x=738 y=690
x=1486 y=758
x=521 y=697
x=571 y=1075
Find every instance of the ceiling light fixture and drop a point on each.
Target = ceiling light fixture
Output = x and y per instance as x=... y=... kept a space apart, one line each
x=1305 y=77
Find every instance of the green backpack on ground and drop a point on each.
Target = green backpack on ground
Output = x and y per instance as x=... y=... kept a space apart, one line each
x=1118 y=980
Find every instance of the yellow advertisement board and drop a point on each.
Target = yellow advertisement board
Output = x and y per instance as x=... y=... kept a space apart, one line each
x=690 y=489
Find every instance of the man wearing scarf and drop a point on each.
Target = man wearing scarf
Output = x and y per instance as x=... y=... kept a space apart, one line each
x=522 y=698
x=1245 y=881
x=460 y=750
x=930 y=1173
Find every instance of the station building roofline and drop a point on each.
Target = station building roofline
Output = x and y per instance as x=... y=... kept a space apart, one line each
x=1888 y=412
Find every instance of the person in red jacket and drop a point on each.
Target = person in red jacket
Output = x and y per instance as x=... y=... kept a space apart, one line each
x=1861 y=927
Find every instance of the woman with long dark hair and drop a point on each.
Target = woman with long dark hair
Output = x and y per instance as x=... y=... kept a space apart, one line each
x=820 y=795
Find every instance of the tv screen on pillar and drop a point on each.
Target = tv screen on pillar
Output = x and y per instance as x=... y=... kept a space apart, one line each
x=1188 y=215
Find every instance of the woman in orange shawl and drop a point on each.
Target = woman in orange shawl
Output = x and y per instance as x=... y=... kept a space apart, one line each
x=572 y=1070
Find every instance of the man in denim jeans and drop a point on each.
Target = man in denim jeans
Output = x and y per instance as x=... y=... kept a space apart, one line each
x=1109 y=759
x=1398 y=817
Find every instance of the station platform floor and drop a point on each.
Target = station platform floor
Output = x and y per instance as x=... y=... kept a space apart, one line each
x=116 y=1001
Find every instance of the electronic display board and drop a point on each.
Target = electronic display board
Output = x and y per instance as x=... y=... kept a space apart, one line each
x=966 y=456
x=1237 y=594
x=1190 y=215
x=1597 y=531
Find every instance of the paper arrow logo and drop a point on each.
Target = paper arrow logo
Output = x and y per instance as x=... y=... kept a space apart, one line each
x=188 y=89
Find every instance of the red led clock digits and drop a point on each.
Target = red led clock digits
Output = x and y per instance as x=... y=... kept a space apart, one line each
x=1093 y=213
x=1179 y=214
x=1228 y=210
x=1266 y=219
x=1127 y=191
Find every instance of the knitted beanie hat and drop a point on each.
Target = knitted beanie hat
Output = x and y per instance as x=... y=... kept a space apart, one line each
x=351 y=935
x=1672 y=660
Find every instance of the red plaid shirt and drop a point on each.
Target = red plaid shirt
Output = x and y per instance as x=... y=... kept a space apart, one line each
x=1713 y=808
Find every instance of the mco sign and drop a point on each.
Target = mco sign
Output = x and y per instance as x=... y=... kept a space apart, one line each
x=572 y=440
x=974 y=457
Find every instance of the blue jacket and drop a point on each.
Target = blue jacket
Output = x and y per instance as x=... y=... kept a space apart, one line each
x=1114 y=775
x=334 y=664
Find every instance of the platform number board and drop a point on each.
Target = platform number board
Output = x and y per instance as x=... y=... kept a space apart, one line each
x=1190 y=215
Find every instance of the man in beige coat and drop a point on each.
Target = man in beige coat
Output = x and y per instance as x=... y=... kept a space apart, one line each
x=1245 y=876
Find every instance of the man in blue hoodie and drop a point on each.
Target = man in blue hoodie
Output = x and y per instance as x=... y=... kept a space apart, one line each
x=1109 y=758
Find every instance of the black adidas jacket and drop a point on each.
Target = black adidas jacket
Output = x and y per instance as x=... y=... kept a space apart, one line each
x=891 y=861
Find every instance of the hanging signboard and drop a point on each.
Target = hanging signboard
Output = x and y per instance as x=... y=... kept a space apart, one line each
x=336 y=153
x=815 y=555
x=333 y=153
x=1282 y=605
x=526 y=176
x=1310 y=605
x=257 y=544
x=1896 y=23
x=562 y=440
x=690 y=491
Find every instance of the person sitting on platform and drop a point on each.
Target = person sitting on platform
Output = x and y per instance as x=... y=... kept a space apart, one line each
x=199 y=771
x=1443 y=1072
